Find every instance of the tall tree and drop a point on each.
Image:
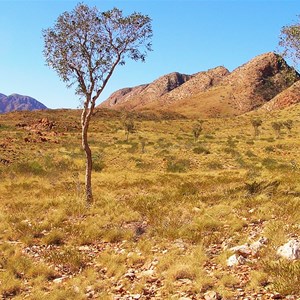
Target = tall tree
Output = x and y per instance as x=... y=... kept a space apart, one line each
x=84 y=47
x=289 y=40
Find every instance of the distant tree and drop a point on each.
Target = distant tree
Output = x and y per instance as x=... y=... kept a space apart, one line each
x=288 y=124
x=256 y=123
x=289 y=40
x=277 y=127
x=84 y=47
x=197 y=129
x=128 y=126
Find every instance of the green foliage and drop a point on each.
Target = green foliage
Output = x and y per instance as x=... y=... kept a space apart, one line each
x=289 y=41
x=71 y=258
x=74 y=47
x=288 y=124
x=285 y=276
x=129 y=126
x=178 y=166
x=29 y=168
x=277 y=126
x=256 y=123
x=197 y=129
x=201 y=150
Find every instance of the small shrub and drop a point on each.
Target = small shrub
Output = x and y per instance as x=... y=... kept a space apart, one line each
x=288 y=124
x=270 y=149
x=285 y=276
x=277 y=126
x=249 y=153
x=178 y=166
x=70 y=258
x=98 y=162
x=55 y=237
x=29 y=167
x=201 y=150
x=256 y=123
x=269 y=163
x=215 y=165
x=197 y=129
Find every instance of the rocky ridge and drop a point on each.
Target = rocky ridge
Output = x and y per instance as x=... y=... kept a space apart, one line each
x=212 y=93
x=284 y=99
x=144 y=94
x=19 y=102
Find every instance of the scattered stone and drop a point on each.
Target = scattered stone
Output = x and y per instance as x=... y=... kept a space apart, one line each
x=4 y=161
x=59 y=279
x=147 y=273
x=277 y=296
x=235 y=260
x=243 y=250
x=249 y=249
x=211 y=295
x=256 y=246
x=290 y=250
x=130 y=274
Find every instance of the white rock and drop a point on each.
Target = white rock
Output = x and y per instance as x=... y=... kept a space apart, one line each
x=290 y=250
x=247 y=249
x=235 y=260
x=58 y=280
x=147 y=273
x=211 y=295
x=255 y=247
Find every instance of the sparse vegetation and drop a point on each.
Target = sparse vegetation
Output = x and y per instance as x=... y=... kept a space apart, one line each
x=197 y=129
x=160 y=218
x=256 y=123
x=74 y=48
x=277 y=126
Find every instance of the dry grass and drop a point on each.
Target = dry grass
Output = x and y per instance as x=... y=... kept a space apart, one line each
x=148 y=196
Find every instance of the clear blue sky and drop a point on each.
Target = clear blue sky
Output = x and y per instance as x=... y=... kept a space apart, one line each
x=189 y=36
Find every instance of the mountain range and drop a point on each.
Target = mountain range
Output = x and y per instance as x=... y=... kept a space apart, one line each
x=19 y=102
x=266 y=82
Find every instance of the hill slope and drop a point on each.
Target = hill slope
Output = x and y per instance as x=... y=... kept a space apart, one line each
x=213 y=93
x=19 y=102
x=284 y=99
x=139 y=96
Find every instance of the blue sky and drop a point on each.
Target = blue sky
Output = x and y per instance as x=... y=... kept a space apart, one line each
x=189 y=36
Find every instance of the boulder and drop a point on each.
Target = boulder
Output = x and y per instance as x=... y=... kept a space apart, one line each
x=290 y=250
x=235 y=260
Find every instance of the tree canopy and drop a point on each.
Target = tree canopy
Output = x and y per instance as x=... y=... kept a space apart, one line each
x=85 y=46
x=289 y=40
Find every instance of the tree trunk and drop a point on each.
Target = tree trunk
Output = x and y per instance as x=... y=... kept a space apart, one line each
x=88 y=154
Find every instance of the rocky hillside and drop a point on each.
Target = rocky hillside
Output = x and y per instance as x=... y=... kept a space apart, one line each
x=212 y=93
x=19 y=102
x=139 y=96
x=284 y=99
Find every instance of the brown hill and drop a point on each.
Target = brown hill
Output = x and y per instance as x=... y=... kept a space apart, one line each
x=213 y=93
x=247 y=88
x=284 y=99
x=200 y=82
x=137 y=97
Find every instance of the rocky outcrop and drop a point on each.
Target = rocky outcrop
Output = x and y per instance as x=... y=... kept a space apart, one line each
x=290 y=250
x=144 y=94
x=258 y=81
x=284 y=99
x=245 y=251
x=200 y=82
x=213 y=93
x=19 y=102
